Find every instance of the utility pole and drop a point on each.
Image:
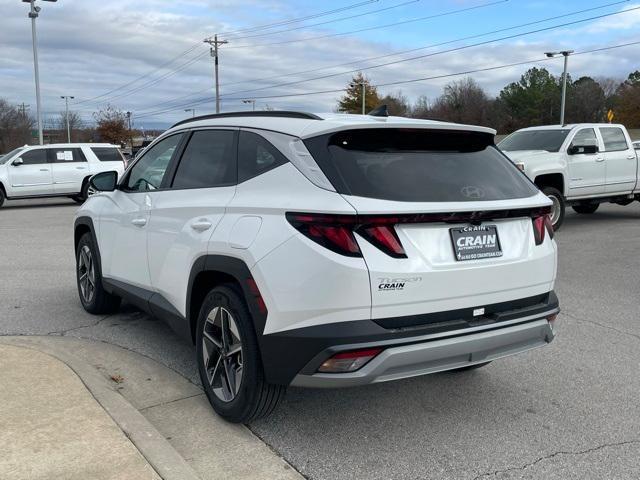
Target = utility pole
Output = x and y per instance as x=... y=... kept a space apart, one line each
x=214 y=53
x=565 y=54
x=33 y=14
x=23 y=109
x=129 y=128
x=66 y=114
x=364 y=94
x=192 y=110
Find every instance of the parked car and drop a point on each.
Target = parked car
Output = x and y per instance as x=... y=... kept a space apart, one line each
x=581 y=165
x=57 y=170
x=636 y=145
x=323 y=251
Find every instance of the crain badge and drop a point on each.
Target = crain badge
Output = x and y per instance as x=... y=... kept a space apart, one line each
x=386 y=284
x=476 y=242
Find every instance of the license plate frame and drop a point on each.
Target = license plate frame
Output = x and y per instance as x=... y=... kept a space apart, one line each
x=475 y=242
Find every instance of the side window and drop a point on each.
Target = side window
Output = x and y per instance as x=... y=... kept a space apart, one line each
x=67 y=155
x=149 y=170
x=256 y=156
x=208 y=161
x=586 y=136
x=614 y=139
x=34 y=157
x=107 y=154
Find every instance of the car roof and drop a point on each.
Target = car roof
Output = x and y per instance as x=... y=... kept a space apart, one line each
x=570 y=126
x=71 y=145
x=305 y=125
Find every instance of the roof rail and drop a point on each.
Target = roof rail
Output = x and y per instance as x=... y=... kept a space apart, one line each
x=265 y=113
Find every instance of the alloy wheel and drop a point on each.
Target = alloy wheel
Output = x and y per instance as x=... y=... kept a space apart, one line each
x=86 y=274
x=555 y=209
x=222 y=354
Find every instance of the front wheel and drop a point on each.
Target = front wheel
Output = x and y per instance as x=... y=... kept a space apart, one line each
x=94 y=298
x=1 y=197
x=229 y=360
x=586 y=209
x=557 y=207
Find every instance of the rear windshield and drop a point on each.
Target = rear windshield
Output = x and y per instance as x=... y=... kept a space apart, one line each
x=414 y=165
x=107 y=154
x=549 y=140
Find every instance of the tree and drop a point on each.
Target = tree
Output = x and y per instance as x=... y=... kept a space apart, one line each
x=15 y=126
x=586 y=101
x=534 y=100
x=111 y=125
x=397 y=104
x=463 y=101
x=421 y=108
x=75 y=123
x=627 y=108
x=351 y=101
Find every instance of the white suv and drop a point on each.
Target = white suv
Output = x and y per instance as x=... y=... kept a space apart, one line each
x=56 y=170
x=323 y=251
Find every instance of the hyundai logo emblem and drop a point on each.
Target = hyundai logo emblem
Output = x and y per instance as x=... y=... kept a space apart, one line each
x=471 y=191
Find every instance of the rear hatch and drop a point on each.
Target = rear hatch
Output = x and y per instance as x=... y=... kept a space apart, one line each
x=447 y=225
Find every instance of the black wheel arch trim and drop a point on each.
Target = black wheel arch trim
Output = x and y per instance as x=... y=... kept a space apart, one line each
x=87 y=222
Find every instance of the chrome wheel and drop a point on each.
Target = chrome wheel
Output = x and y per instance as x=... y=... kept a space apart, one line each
x=86 y=274
x=555 y=209
x=222 y=354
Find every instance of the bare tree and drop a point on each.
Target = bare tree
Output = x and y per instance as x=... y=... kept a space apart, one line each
x=397 y=104
x=75 y=124
x=463 y=101
x=422 y=108
x=15 y=126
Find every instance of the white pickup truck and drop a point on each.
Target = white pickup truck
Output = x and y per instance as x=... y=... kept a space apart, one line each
x=580 y=165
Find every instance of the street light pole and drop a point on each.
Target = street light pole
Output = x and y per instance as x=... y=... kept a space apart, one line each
x=192 y=110
x=252 y=102
x=33 y=14
x=565 y=54
x=66 y=114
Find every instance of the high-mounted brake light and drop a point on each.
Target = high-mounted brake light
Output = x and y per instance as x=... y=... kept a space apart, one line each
x=542 y=224
x=348 y=361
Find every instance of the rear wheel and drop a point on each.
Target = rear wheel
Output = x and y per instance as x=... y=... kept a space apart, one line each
x=229 y=360
x=94 y=298
x=557 y=207
x=586 y=209
x=1 y=197
x=84 y=193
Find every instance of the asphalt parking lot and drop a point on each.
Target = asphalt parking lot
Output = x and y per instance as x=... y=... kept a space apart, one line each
x=570 y=410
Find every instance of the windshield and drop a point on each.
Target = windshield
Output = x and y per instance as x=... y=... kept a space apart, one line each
x=549 y=140
x=418 y=165
x=7 y=156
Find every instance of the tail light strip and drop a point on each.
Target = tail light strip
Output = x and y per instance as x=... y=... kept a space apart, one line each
x=336 y=232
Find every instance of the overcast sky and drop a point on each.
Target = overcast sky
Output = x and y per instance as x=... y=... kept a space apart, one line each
x=102 y=48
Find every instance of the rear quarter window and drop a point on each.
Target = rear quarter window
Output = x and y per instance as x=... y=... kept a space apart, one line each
x=418 y=165
x=107 y=154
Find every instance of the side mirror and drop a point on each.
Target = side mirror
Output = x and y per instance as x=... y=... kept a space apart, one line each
x=17 y=162
x=582 y=149
x=104 y=181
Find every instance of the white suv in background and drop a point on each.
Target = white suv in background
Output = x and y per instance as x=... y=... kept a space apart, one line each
x=56 y=170
x=323 y=251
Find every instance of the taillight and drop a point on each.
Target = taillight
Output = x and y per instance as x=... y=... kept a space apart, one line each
x=348 y=361
x=541 y=224
x=336 y=232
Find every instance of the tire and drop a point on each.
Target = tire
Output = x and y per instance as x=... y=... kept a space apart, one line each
x=586 y=209
x=84 y=193
x=247 y=396
x=559 y=206
x=470 y=367
x=1 y=196
x=94 y=298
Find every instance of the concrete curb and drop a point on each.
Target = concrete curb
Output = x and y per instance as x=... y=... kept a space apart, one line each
x=164 y=459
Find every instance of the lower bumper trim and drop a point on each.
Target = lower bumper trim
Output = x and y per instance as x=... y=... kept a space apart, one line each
x=437 y=355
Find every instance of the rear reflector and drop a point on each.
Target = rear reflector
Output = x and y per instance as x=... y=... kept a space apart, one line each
x=348 y=361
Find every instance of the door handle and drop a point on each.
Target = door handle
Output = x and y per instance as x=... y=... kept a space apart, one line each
x=631 y=157
x=81 y=168
x=599 y=159
x=139 y=222
x=201 y=225
x=44 y=169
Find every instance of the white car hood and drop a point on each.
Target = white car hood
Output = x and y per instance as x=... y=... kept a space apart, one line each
x=524 y=155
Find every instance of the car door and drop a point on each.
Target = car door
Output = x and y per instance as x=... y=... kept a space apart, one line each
x=184 y=217
x=69 y=168
x=123 y=221
x=31 y=176
x=587 y=171
x=620 y=159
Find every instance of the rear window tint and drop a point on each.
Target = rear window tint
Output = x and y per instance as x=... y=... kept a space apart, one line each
x=418 y=165
x=107 y=154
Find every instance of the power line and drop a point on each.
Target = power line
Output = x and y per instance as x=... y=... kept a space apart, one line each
x=376 y=27
x=413 y=80
x=395 y=54
x=440 y=52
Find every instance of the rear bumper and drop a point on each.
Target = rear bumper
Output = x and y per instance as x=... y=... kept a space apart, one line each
x=413 y=346
x=437 y=355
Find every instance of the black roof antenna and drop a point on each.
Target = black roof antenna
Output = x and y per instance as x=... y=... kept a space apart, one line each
x=379 y=111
